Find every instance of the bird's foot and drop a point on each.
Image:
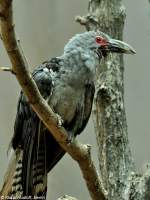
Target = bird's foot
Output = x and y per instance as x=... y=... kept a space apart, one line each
x=59 y=120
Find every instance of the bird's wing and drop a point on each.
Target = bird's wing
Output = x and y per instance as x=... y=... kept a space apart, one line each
x=29 y=137
x=83 y=112
x=88 y=102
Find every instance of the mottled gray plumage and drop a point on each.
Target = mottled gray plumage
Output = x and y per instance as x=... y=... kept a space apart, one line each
x=67 y=83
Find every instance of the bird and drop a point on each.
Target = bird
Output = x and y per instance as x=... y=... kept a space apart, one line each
x=67 y=83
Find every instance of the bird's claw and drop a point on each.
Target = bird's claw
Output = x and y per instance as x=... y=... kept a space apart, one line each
x=70 y=138
x=59 y=121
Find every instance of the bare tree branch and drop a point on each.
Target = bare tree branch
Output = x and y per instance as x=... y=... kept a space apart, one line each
x=6 y=69
x=79 y=152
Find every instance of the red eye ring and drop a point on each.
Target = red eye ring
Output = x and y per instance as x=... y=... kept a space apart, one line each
x=99 y=39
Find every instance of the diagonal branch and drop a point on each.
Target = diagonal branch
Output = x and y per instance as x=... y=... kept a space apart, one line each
x=79 y=152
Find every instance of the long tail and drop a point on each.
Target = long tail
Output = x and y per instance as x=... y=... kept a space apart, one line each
x=27 y=175
x=14 y=185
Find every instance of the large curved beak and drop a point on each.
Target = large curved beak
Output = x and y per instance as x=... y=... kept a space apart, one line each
x=120 y=47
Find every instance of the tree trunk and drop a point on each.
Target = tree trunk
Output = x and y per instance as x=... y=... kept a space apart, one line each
x=115 y=159
x=118 y=174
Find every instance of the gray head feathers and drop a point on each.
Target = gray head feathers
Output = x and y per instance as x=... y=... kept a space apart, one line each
x=84 y=40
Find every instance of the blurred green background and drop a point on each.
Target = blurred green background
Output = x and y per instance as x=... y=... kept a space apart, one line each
x=43 y=28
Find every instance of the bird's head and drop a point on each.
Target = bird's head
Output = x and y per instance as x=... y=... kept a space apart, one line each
x=98 y=42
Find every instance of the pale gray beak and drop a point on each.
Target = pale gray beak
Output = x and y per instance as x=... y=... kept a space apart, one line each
x=120 y=47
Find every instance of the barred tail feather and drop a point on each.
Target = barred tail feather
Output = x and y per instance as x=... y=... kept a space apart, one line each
x=13 y=183
x=39 y=169
x=17 y=190
x=9 y=175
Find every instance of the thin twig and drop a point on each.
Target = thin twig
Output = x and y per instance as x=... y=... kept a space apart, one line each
x=7 y=69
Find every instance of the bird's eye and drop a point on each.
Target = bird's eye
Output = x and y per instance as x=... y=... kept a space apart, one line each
x=101 y=41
